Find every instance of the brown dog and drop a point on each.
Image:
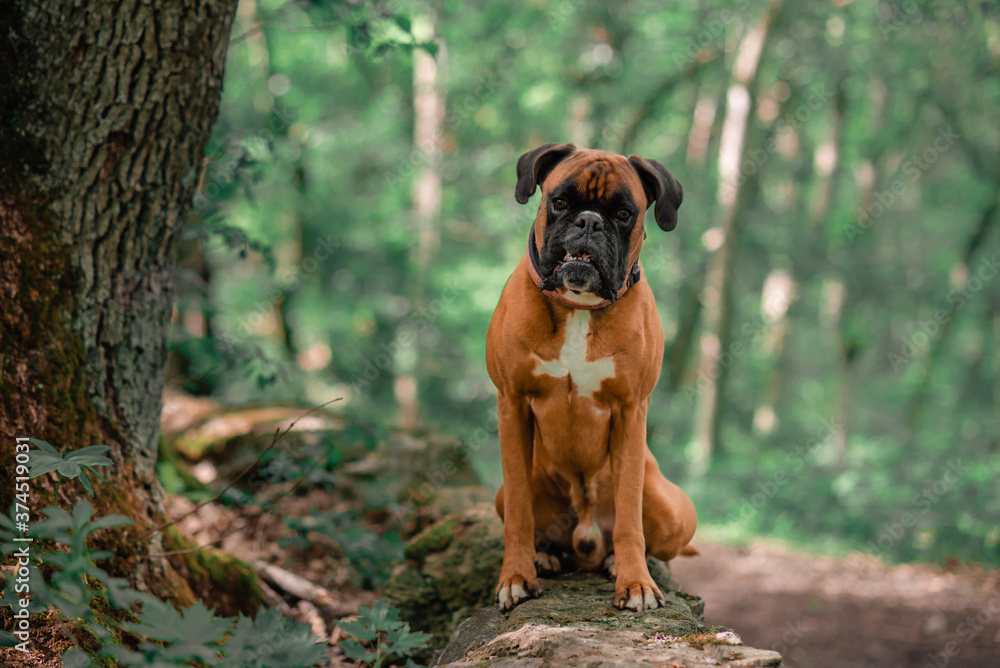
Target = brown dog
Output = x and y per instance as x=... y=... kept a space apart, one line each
x=575 y=348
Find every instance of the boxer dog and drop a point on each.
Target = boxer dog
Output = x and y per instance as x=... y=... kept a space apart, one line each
x=575 y=348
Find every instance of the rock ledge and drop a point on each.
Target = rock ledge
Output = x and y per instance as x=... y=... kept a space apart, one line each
x=446 y=588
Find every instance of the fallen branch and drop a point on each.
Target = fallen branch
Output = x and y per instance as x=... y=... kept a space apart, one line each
x=304 y=590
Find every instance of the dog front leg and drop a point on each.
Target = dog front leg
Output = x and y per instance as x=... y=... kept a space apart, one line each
x=634 y=588
x=518 y=578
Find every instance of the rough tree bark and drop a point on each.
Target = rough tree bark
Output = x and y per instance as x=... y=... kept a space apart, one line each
x=104 y=115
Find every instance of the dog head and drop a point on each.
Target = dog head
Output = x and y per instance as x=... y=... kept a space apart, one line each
x=590 y=223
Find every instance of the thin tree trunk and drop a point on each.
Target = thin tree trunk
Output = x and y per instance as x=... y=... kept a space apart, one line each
x=828 y=166
x=104 y=116
x=680 y=347
x=850 y=320
x=701 y=127
x=987 y=220
x=428 y=113
x=717 y=294
x=996 y=360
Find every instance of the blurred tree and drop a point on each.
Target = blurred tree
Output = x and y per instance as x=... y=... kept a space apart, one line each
x=717 y=294
x=866 y=167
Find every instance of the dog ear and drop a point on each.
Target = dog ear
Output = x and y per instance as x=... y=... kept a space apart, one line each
x=660 y=185
x=535 y=165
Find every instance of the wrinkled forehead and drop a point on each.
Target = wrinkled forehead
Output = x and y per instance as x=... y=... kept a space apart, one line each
x=597 y=176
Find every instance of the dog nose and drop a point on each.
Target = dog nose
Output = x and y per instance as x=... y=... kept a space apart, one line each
x=589 y=222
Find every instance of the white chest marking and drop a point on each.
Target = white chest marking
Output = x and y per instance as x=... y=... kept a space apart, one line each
x=572 y=358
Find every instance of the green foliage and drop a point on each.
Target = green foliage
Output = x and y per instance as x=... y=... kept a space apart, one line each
x=370 y=555
x=76 y=586
x=46 y=459
x=313 y=157
x=67 y=588
x=288 y=643
x=314 y=463
x=196 y=635
x=379 y=634
x=186 y=635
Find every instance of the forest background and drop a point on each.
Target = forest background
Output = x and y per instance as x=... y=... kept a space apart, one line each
x=829 y=298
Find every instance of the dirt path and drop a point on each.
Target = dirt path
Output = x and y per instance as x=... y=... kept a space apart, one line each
x=854 y=613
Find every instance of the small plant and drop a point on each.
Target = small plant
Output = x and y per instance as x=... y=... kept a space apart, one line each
x=196 y=635
x=46 y=459
x=386 y=634
x=370 y=555
x=75 y=583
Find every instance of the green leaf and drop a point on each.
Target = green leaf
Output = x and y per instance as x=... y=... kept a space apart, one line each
x=68 y=469
x=127 y=657
x=193 y=626
x=58 y=516
x=382 y=614
x=82 y=512
x=358 y=629
x=119 y=595
x=430 y=47
x=288 y=644
x=92 y=455
x=85 y=481
x=75 y=658
x=110 y=522
x=6 y=639
x=43 y=463
x=403 y=22
x=44 y=446
x=403 y=641
x=47 y=459
x=354 y=651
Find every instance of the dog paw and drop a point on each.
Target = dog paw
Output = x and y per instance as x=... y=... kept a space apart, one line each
x=639 y=595
x=547 y=564
x=514 y=590
x=609 y=567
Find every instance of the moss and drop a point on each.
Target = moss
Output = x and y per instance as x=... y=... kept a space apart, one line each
x=223 y=581
x=91 y=644
x=196 y=446
x=167 y=454
x=434 y=538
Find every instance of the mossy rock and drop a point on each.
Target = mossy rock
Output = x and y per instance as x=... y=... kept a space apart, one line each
x=223 y=581
x=434 y=538
x=446 y=588
x=451 y=567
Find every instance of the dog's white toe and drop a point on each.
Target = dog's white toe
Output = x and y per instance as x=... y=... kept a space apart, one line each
x=609 y=565
x=547 y=563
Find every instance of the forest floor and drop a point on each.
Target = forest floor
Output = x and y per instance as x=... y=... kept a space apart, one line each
x=817 y=611
x=851 y=613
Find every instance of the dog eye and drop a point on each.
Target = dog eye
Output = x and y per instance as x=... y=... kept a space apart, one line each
x=559 y=204
x=624 y=214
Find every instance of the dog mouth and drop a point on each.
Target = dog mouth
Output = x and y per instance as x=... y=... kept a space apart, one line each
x=585 y=258
x=577 y=271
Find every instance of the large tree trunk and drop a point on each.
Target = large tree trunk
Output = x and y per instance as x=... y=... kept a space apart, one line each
x=104 y=115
